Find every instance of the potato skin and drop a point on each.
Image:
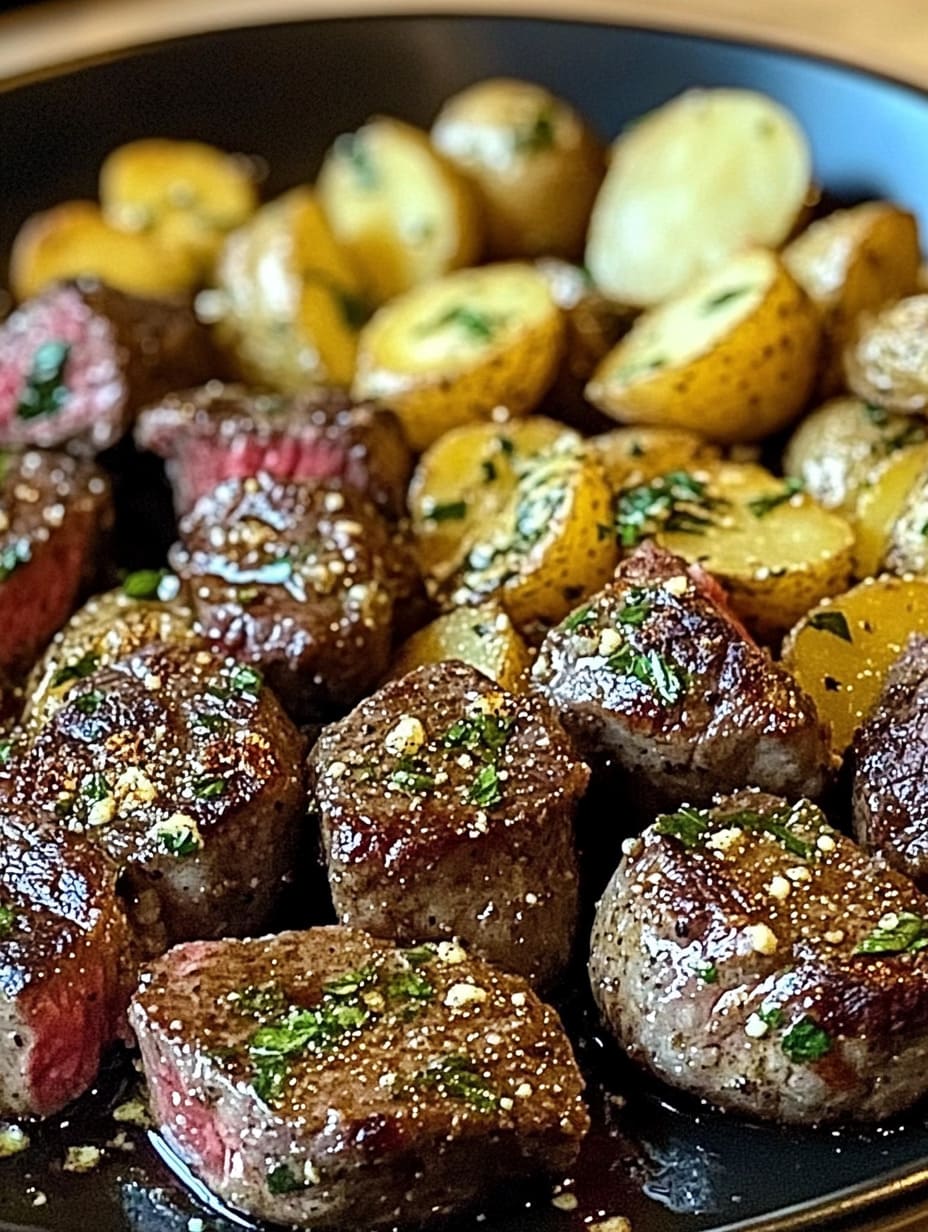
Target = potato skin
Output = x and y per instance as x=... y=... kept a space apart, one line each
x=482 y=636
x=850 y=262
x=520 y=147
x=888 y=361
x=749 y=383
x=631 y=456
x=881 y=503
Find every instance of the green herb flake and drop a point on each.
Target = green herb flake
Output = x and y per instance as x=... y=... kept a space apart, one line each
x=7 y=921
x=677 y=501
x=724 y=297
x=483 y=734
x=350 y=983
x=651 y=669
x=260 y=1000
x=805 y=1041
x=480 y=326
x=14 y=555
x=876 y=414
x=353 y=307
x=6 y=751
x=411 y=777
x=582 y=618
x=457 y=1077
x=281 y=1179
x=485 y=791
x=95 y=787
x=44 y=391
x=246 y=681
x=636 y=609
x=184 y=841
x=507 y=445
x=537 y=136
x=777 y=825
x=902 y=933
x=208 y=788
x=409 y=986
x=419 y=955
x=144 y=583
x=688 y=825
x=352 y=148
x=80 y=669
x=833 y=621
x=89 y=703
x=450 y=511
x=707 y=972
x=773 y=1016
x=489 y=470
x=762 y=505
x=216 y=723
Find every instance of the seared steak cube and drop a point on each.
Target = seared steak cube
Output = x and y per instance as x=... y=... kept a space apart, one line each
x=653 y=677
x=324 y=1079
x=65 y=963
x=81 y=358
x=186 y=772
x=106 y=628
x=447 y=809
x=294 y=579
x=53 y=513
x=750 y=954
x=890 y=784
x=231 y=432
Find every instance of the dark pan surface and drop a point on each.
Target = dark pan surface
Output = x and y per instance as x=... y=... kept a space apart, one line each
x=283 y=92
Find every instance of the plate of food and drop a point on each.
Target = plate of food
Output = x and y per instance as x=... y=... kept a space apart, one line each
x=463 y=614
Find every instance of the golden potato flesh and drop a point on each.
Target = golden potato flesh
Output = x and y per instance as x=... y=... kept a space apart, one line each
x=290 y=303
x=888 y=362
x=850 y=262
x=690 y=185
x=476 y=344
x=882 y=502
x=401 y=211
x=841 y=651
x=631 y=456
x=482 y=636
x=186 y=194
x=837 y=447
x=534 y=162
x=74 y=239
x=733 y=358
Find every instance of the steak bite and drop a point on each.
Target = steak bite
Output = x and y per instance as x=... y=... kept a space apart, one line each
x=65 y=963
x=78 y=360
x=446 y=807
x=296 y=580
x=325 y=1079
x=223 y=432
x=108 y=627
x=653 y=677
x=890 y=794
x=186 y=772
x=750 y=954
x=54 y=512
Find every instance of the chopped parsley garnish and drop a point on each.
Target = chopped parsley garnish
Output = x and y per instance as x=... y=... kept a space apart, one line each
x=707 y=972
x=489 y=471
x=95 y=787
x=450 y=511
x=412 y=777
x=724 y=297
x=351 y=147
x=689 y=825
x=485 y=790
x=537 y=508
x=480 y=326
x=7 y=920
x=89 y=703
x=676 y=501
x=12 y=556
x=483 y=734
x=6 y=751
x=281 y=1179
x=457 y=1077
x=537 y=136
x=418 y=955
x=208 y=788
x=350 y=982
x=507 y=445
x=651 y=669
x=261 y=1000
x=211 y=722
x=579 y=619
x=907 y=935
x=80 y=669
x=760 y=506
x=246 y=681
x=354 y=309
x=831 y=621
x=409 y=986
x=45 y=392
x=144 y=583
x=184 y=841
x=876 y=414
x=805 y=1041
x=772 y=1016
x=636 y=609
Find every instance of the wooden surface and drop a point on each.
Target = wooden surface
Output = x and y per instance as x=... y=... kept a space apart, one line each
x=890 y=36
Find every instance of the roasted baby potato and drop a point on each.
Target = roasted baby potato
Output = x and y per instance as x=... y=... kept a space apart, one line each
x=732 y=358
x=401 y=211
x=631 y=456
x=840 y=652
x=549 y=545
x=468 y=476
x=691 y=184
x=461 y=348
x=888 y=362
x=772 y=547
x=74 y=239
x=185 y=194
x=534 y=162
x=850 y=262
x=836 y=448
x=890 y=491
x=289 y=305
x=482 y=636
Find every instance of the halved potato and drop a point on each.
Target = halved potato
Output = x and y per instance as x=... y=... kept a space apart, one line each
x=550 y=543
x=881 y=503
x=691 y=184
x=290 y=304
x=471 y=345
x=732 y=358
x=840 y=652
x=852 y=262
x=482 y=636
x=772 y=547
x=186 y=194
x=533 y=160
x=888 y=362
x=631 y=456
x=836 y=448
x=74 y=239
x=402 y=212
x=468 y=476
